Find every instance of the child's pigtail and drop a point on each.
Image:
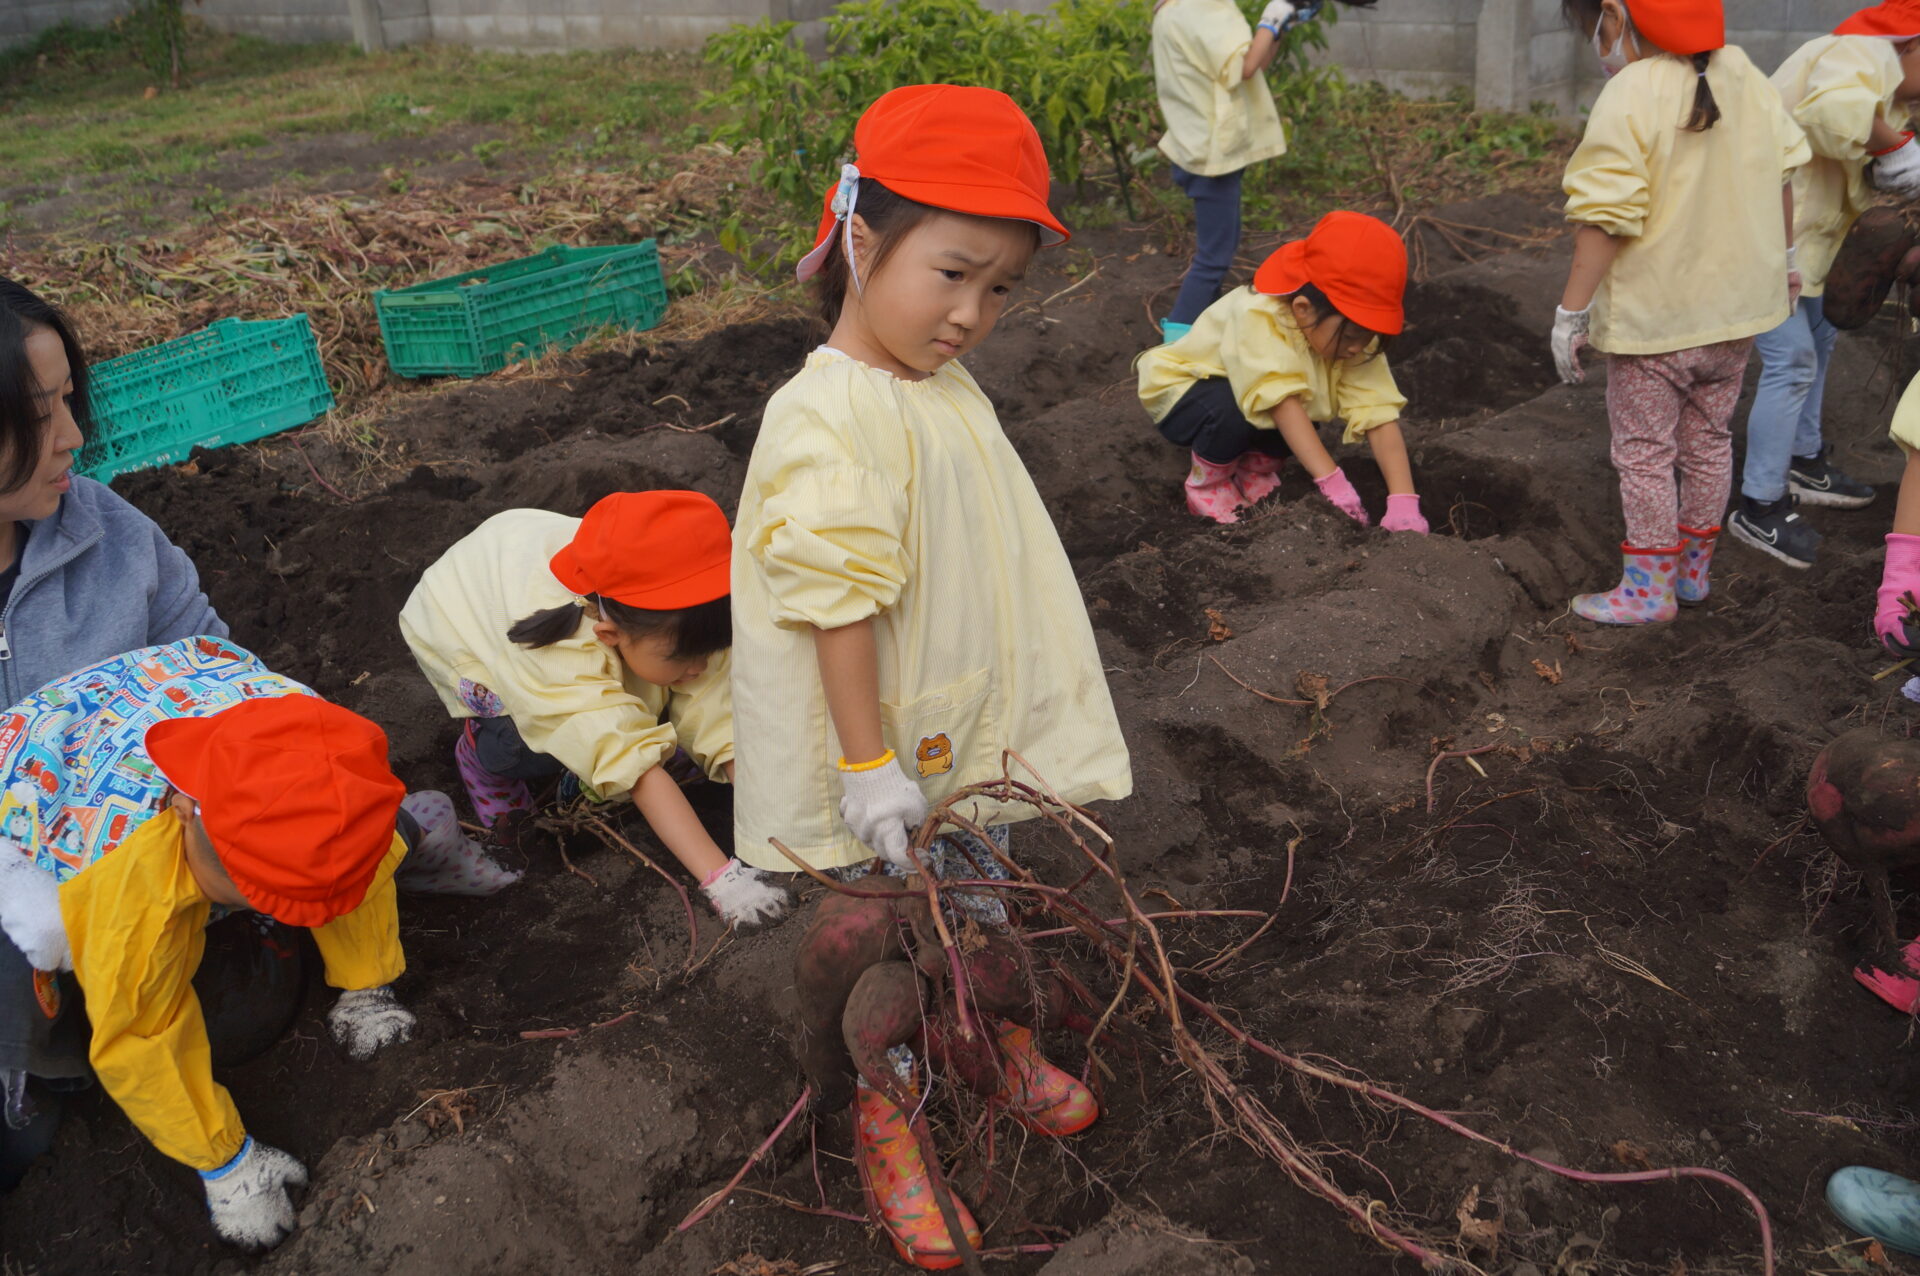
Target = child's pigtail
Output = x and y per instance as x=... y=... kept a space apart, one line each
x=1706 y=112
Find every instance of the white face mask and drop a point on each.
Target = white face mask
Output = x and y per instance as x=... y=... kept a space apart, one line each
x=1614 y=60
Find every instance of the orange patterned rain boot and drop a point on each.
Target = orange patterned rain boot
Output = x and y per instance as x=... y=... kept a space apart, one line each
x=899 y=1192
x=1039 y=1095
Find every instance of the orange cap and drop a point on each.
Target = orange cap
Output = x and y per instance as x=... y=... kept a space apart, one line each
x=659 y=551
x=296 y=796
x=1894 y=20
x=1685 y=27
x=1357 y=260
x=966 y=150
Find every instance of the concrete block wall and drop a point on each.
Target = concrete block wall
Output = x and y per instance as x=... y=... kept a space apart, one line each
x=21 y=20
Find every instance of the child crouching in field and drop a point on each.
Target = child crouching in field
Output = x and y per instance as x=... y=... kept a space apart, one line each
x=593 y=647
x=1305 y=342
x=1682 y=255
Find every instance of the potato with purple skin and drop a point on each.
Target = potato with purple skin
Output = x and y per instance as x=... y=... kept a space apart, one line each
x=1864 y=795
x=1882 y=246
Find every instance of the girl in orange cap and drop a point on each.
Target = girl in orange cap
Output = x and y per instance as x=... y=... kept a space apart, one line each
x=593 y=648
x=900 y=594
x=1683 y=253
x=171 y=786
x=1305 y=342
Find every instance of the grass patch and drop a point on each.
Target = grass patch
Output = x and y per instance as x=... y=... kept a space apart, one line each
x=79 y=101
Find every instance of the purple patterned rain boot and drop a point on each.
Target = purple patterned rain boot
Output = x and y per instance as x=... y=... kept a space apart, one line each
x=1645 y=594
x=492 y=795
x=1696 y=551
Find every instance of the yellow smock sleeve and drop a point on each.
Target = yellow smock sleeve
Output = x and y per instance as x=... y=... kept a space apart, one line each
x=1366 y=397
x=1606 y=181
x=829 y=533
x=702 y=716
x=136 y=923
x=568 y=701
x=361 y=949
x=1905 y=428
x=1263 y=367
x=1844 y=92
x=1795 y=152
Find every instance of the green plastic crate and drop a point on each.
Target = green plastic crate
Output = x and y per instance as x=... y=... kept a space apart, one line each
x=233 y=382
x=472 y=324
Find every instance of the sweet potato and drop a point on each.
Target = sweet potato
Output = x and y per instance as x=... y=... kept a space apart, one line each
x=1003 y=983
x=1870 y=259
x=1864 y=794
x=884 y=1010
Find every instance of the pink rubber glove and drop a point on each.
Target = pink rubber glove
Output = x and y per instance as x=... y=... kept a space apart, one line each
x=1403 y=514
x=1900 y=578
x=1337 y=489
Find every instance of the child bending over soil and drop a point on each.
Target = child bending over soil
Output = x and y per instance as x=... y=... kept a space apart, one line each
x=1682 y=255
x=151 y=794
x=1305 y=342
x=593 y=649
x=901 y=595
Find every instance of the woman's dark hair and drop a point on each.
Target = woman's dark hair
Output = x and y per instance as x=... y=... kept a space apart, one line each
x=23 y=421
x=888 y=217
x=697 y=631
x=1322 y=307
x=1585 y=16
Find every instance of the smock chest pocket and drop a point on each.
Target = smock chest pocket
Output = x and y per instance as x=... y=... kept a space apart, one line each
x=946 y=734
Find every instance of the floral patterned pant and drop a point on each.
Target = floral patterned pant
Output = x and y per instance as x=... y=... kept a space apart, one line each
x=1674 y=411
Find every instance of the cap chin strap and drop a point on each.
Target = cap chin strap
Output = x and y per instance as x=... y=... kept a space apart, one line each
x=845 y=196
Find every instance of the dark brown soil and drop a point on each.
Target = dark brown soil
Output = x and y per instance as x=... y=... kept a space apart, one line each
x=1585 y=952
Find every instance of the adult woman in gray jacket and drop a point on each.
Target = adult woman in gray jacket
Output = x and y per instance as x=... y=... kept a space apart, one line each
x=84 y=576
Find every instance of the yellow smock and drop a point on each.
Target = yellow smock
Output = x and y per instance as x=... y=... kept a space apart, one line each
x=1705 y=251
x=575 y=700
x=1835 y=87
x=1254 y=341
x=1905 y=429
x=136 y=922
x=1217 y=123
x=902 y=501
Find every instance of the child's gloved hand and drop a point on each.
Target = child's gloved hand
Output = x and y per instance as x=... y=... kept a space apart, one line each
x=368 y=1020
x=1277 y=16
x=1337 y=489
x=1569 y=339
x=1899 y=580
x=30 y=910
x=744 y=897
x=1403 y=514
x=1897 y=171
x=248 y=1195
x=884 y=809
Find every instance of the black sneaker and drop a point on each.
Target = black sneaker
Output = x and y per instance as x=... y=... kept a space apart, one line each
x=1817 y=481
x=1774 y=527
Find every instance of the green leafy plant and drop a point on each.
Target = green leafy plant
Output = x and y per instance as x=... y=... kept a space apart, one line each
x=158 y=32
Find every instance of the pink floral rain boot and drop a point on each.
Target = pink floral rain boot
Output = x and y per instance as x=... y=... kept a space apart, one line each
x=1696 y=551
x=492 y=795
x=1211 y=492
x=1258 y=475
x=1039 y=1095
x=899 y=1192
x=1645 y=594
x=445 y=861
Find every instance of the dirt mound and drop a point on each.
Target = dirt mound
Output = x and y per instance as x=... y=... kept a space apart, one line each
x=1593 y=937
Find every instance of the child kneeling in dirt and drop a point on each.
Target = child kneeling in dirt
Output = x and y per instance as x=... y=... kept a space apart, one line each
x=593 y=649
x=154 y=793
x=900 y=592
x=1305 y=342
x=1683 y=253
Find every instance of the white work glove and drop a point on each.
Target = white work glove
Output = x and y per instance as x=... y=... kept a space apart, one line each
x=1569 y=339
x=1794 y=280
x=745 y=897
x=1276 y=16
x=248 y=1195
x=1898 y=171
x=368 y=1020
x=30 y=910
x=884 y=809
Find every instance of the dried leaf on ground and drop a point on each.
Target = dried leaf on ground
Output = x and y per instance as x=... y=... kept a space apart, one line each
x=1313 y=686
x=1631 y=1156
x=1217 y=625
x=1550 y=673
x=1476 y=1232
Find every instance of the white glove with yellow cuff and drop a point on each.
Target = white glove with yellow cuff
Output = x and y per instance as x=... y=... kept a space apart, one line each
x=368 y=1020
x=882 y=807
